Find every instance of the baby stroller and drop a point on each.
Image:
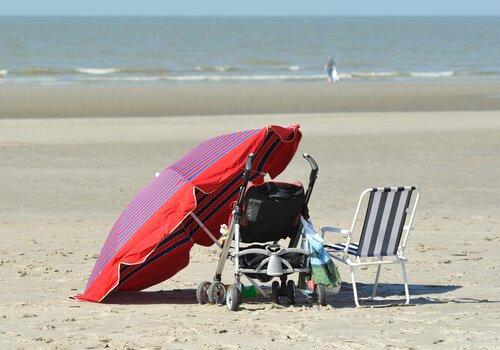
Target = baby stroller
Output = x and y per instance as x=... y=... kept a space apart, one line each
x=263 y=215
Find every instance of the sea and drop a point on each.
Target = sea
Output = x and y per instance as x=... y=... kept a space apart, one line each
x=138 y=50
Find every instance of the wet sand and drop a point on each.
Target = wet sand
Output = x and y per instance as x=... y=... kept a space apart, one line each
x=226 y=99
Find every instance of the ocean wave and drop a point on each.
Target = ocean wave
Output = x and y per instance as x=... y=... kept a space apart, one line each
x=45 y=71
x=121 y=79
x=141 y=70
x=145 y=75
x=264 y=62
x=40 y=71
x=375 y=74
x=215 y=69
x=255 y=77
x=97 y=71
x=345 y=76
x=293 y=68
x=439 y=74
x=484 y=73
x=205 y=77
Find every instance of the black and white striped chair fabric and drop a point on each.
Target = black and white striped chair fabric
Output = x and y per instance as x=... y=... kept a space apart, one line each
x=384 y=222
x=353 y=248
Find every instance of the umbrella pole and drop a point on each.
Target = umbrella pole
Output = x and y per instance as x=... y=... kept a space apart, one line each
x=207 y=231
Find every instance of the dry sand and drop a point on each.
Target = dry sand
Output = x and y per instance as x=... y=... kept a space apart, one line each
x=63 y=182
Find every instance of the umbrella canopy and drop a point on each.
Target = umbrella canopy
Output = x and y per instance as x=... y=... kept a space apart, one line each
x=151 y=240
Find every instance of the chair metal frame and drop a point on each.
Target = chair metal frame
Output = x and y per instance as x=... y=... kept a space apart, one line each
x=378 y=261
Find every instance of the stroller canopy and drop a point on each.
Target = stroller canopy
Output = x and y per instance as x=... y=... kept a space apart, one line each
x=151 y=240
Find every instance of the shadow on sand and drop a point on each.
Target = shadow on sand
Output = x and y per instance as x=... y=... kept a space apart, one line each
x=390 y=294
x=175 y=296
x=387 y=295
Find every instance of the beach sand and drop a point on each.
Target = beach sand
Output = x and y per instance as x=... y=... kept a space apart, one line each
x=92 y=100
x=63 y=183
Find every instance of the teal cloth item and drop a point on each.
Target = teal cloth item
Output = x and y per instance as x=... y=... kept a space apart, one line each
x=323 y=270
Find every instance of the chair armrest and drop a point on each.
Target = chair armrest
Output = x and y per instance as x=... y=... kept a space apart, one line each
x=332 y=229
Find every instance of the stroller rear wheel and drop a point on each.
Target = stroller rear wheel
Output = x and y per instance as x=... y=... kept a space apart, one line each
x=217 y=293
x=201 y=292
x=233 y=297
x=290 y=291
x=275 y=287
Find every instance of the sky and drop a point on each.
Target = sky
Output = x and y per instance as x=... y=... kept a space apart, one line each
x=251 y=7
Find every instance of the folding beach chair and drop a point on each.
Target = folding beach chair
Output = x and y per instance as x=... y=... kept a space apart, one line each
x=385 y=231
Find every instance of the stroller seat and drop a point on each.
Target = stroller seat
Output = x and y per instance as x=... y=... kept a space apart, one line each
x=270 y=212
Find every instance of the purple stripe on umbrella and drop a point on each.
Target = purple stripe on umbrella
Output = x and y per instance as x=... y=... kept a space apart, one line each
x=151 y=194
x=168 y=179
x=126 y=234
x=147 y=196
x=115 y=247
x=205 y=163
x=130 y=216
x=212 y=209
x=224 y=143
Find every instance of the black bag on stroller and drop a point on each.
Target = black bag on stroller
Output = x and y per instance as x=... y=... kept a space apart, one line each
x=271 y=211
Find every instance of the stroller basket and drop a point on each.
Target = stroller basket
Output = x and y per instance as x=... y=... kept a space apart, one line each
x=271 y=211
x=255 y=261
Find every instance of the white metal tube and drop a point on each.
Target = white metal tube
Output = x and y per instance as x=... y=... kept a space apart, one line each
x=237 y=247
x=410 y=223
x=207 y=231
x=374 y=292
x=354 y=289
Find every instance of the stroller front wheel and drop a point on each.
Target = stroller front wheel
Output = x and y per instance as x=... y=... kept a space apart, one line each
x=217 y=293
x=233 y=298
x=201 y=292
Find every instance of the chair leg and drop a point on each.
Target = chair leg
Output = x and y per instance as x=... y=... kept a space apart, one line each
x=374 y=292
x=354 y=289
x=405 y=278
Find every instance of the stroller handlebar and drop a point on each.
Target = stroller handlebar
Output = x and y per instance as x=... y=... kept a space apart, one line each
x=312 y=163
x=248 y=166
x=312 y=177
x=246 y=178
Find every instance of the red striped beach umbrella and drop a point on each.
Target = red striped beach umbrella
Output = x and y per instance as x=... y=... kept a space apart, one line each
x=152 y=238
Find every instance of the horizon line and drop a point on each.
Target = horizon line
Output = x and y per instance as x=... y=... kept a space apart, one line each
x=251 y=15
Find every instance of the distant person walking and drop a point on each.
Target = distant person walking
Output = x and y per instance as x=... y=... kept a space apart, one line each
x=331 y=71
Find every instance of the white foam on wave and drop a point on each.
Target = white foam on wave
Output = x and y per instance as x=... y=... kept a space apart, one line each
x=375 y=74
x=121 y=79
x=106 y=75
x=213 y=68
x=294 y=68
x=345 y=75
x=97 y=71
x=256 y=77
x=222 y=68
x=446 y=73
